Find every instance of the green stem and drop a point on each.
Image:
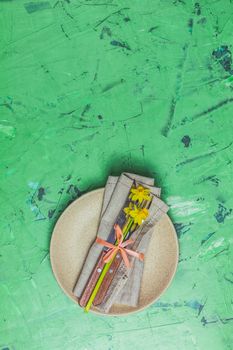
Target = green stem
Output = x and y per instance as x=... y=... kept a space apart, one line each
x=105 y=270
x=98 y=284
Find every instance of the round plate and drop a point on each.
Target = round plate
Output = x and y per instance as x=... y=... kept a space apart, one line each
x=76 y=230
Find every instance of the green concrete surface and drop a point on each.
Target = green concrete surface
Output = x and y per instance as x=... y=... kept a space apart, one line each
x=90 y=88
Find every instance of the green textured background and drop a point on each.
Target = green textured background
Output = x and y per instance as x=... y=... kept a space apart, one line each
x=92 y=88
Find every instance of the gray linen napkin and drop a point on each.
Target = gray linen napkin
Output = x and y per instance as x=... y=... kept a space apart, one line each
x=115 y=195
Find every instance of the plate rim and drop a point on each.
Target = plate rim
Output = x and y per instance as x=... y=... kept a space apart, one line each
x=52 y=263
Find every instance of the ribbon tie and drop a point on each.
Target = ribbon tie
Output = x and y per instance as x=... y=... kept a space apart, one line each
x=120 y=247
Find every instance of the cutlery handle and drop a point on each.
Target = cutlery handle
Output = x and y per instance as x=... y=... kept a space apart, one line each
x=92 y=280
x=107 y=280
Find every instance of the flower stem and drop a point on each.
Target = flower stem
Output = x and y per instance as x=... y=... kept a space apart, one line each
x=106 y=268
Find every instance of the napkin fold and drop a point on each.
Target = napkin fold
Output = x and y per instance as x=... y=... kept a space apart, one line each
x=123 y=290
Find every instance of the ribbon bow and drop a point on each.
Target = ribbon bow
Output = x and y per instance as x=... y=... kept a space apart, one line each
x=120 y=247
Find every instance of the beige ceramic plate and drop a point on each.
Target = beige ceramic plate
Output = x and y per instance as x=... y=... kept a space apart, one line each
x=76 y=230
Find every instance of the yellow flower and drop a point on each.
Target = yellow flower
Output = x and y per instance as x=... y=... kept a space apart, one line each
x=128 y=209
x=138 y=215
x=140 y=193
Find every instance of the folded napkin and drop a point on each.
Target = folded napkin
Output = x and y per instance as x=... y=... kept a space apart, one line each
x=125 y=286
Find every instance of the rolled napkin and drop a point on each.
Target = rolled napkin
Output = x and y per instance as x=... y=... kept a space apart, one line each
x=125 y=291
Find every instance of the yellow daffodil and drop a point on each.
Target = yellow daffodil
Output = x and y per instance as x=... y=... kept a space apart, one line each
x=138 y=214
x=128 y=209
x=140 y=194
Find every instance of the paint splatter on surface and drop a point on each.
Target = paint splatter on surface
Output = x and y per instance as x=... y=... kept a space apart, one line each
x=41 y=193
x=7 y=130
x=181 y=228
x=92 y=88
x=222 y=213
x=36 y=6
x=186 y=140
x=213 y=248
x=185 y=208
x=224 y=57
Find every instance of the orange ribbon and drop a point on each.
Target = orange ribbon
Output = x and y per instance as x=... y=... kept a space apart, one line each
x=113 y=249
